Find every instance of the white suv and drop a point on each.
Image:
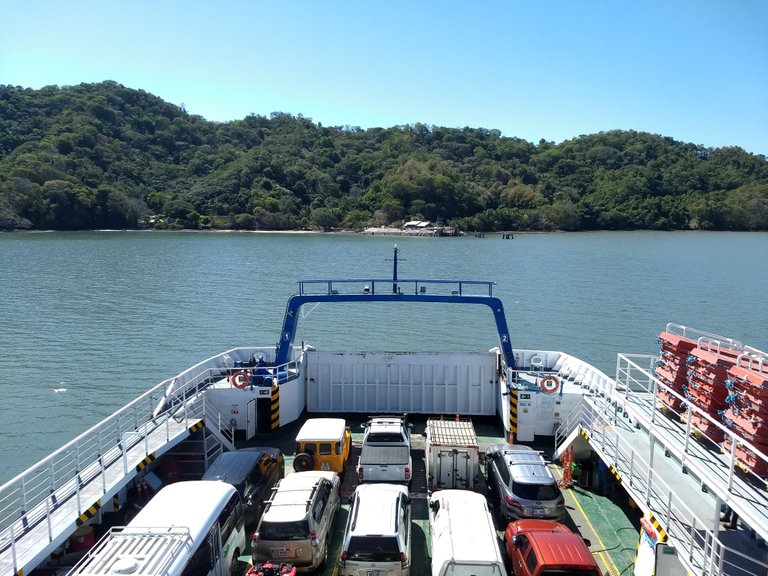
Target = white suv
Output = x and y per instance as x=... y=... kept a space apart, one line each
x=297 y=521
x=377 y=539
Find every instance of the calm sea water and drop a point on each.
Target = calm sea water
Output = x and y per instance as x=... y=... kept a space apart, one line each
x=88 y=321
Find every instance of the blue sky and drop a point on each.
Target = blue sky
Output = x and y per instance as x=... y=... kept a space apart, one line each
x=694 y=70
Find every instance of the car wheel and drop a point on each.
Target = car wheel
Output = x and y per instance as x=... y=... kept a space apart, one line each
x=235 y=568
x=303 y=462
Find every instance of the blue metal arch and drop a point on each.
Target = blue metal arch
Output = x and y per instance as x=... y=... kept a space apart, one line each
x=295 y=303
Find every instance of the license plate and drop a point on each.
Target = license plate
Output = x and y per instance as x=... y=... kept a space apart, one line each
x=373 y=573
x=283 y=552
x=538 y=511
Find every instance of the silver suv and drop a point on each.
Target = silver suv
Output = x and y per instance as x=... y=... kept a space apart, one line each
x=297 y=521
x=377 y=539
x=522 y=483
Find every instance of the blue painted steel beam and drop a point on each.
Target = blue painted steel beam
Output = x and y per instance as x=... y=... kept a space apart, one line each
x=297 y=301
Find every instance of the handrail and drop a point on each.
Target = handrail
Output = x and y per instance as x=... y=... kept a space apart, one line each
x=638 y=380
x=35 y=494
x=685 y=530
x=698 y=545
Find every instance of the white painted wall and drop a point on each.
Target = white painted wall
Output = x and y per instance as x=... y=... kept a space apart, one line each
x=424 y=383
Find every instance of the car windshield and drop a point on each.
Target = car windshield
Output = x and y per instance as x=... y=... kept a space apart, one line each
x=374 y=548
x=284 y=530
x=535 y=491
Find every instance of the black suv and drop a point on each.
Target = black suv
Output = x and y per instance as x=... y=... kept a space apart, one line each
x=254 y=472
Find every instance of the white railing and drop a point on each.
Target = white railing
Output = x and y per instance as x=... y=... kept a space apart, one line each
x=59 y=475
x=640 y=386
x=35 y=494
x=635 y=386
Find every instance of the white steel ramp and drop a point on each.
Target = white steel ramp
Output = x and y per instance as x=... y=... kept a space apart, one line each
x=41 y=508
x=681 y=481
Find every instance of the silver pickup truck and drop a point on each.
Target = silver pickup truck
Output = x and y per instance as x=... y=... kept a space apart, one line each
x=386 y=451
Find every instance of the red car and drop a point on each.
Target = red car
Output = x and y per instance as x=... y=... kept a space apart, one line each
x=536 y=547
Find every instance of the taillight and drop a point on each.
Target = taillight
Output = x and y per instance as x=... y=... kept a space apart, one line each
x=343 y=559
x=407 y=473
x=403 y=560
x=513 y=503
x=560 y=502
x=255 y=537
x=313 y=539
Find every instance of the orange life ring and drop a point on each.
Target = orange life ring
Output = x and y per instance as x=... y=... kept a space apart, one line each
x=549 y=384
x=240 y=384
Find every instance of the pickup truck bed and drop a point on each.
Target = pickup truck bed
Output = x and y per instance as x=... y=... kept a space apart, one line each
x=384 y=455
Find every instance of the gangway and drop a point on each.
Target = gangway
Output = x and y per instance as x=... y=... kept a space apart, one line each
x=679 y=480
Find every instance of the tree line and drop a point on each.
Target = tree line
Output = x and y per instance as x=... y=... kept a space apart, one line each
x=102 y=155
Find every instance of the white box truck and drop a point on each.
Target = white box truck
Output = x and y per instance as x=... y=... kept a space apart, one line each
x=452 y=454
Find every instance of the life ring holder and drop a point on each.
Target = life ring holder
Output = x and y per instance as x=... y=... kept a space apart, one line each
x=233 y=379
x=549 y=384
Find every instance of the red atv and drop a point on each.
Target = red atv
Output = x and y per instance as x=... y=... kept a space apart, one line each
x=270 y=569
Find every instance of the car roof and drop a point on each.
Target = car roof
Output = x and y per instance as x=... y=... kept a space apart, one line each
x=385 y=426
x=561 y=548
x=289 y=501
x=321 y=429
x=525 y=464
x=377 y=508
x=233 y=467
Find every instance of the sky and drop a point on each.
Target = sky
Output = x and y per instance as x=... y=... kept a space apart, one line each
x=693 y=70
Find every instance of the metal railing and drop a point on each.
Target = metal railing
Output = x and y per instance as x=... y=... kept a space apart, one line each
x=36 y=494
x=636 y=389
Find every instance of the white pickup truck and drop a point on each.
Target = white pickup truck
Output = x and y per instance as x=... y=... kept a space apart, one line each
x=386 y=452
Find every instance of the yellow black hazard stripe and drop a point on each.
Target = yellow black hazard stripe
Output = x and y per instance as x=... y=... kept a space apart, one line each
x=147 y=460
x=584 y=433
x=275 y=407
x=89 y=513
x=616 y=473
x=196 y=427
x=657 y=526
x=115 y=503
x=512 y=413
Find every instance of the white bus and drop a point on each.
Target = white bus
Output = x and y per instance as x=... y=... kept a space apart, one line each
x=188 y=529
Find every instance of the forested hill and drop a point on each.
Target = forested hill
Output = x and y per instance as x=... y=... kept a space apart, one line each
x=105 y=156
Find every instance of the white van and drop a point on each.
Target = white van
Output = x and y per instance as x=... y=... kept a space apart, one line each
x=464 y=539
x=193 y=527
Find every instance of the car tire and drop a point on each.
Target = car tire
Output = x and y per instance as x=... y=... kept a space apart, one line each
x=303 y=462
x=235 y=567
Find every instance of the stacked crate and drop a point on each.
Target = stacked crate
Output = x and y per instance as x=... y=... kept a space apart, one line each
x=672 y=370
x=707 y=374
x=747 y=411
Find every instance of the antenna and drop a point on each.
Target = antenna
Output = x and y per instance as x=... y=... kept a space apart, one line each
x=394 y=272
